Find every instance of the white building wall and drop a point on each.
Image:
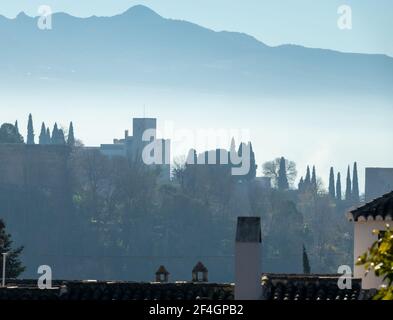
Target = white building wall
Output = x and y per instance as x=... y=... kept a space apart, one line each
x=363 y=239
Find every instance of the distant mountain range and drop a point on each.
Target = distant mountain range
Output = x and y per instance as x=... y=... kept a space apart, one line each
x=139 y=47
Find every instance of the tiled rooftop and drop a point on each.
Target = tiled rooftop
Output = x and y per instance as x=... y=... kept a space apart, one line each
x=275 y=287
x=310 y=287
x=99 y=290
x=378 y=209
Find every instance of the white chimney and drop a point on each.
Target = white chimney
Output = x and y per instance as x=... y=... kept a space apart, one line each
x=248 y=254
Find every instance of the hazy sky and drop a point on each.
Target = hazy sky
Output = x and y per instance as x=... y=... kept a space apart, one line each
x=311 y=23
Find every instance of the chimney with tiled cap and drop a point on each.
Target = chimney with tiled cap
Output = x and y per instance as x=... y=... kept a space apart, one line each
x=248 y=254
x=162 y=275
x=199 y=273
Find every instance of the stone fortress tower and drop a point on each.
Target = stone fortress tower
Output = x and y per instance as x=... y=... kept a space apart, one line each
x=133 y=146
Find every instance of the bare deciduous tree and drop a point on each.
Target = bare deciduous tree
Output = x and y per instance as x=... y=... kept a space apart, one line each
x=271 y=168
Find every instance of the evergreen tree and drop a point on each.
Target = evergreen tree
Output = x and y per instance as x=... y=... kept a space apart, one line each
x=307 y=180
x=232 y=152
x=30 y=131
x=48 y=138
x=16 y=126
x=61 y=138
x=314 y=178
x=13 y=265
x=192 y=157
x=55 y=134
x=348 y=191
x=252 y=173
x=233 y=145
x=332 y=188
x=355 y=184
x=338 y=187
x=42 y=138
x=9 y=134
x=242 y=147
x=282 y=179
x=71 y=138
x=301 y=184
x=306 y=262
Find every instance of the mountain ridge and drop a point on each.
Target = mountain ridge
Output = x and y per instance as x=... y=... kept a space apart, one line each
x=145 y=10
x=141 y=47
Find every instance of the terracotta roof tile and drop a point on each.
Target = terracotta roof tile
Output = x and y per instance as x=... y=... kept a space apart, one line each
x=310 y=287
x=274 y=287
x=382 y=207
x=79 y=290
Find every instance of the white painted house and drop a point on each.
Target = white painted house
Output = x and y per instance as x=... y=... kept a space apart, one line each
x=374 y=215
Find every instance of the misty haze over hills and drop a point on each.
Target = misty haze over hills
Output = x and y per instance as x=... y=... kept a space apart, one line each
x=139 y=47
x=313 y=106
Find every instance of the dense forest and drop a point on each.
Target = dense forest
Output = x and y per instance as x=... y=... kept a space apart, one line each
x=116 y=220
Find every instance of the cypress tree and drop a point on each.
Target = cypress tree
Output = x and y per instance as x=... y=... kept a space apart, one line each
x=332 y=189
x=13 y=264
x=314 y=179
x=71 y=138
x=242 y=147
x=355 y=184
x=306 y=262
x=61 y=138
x=282 y=179
x=42 y=138
x=252 y=173
x=338 y=187
x=233 y=145
x=30 y=131
x=307 y=180
x=16 y=126
x=232 y=152
x=55 y=134
x=192 y=157
x=348 y=191
x=47 y=138
x=301 y=184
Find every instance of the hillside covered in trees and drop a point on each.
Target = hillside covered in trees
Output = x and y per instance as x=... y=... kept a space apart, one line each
x=109 y=218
